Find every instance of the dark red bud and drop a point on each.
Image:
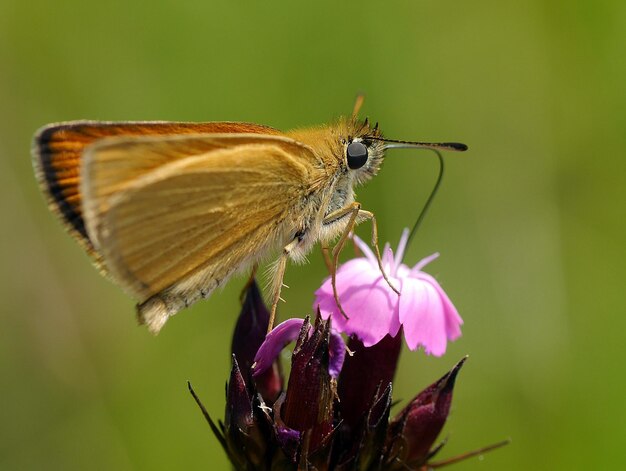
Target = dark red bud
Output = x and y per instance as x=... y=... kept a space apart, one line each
x=308 y=406
x=414 y=430
x=248 y=336
x=251 y=327
x=374 y=431
x=363 y=374
x=243 y=435
x=239 y=413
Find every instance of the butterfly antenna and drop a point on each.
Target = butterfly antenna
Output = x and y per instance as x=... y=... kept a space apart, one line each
x=430 y=199
x=358 y=103
x=436 y=147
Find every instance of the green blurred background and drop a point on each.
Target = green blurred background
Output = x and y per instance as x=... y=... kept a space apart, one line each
x=530 y=223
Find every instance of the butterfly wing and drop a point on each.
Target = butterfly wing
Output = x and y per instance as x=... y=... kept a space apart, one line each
x=58 y=151
x=174 y=233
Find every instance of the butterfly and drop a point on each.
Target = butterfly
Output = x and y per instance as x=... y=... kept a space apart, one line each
x=172 y=210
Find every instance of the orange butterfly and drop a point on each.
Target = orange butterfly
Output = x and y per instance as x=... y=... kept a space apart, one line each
x=170 y=211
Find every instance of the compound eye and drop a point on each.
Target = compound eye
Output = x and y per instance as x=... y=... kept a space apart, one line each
x=356 y=154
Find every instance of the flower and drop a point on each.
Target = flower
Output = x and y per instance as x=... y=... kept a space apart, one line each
x=423 y=310
x=330 y=414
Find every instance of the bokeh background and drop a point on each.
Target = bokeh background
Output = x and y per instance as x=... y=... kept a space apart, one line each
x=531 y=223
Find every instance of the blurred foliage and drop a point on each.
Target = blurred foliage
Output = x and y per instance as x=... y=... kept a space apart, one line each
x=530 y=223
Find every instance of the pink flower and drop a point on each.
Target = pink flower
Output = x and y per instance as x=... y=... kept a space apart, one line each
x=423 y=309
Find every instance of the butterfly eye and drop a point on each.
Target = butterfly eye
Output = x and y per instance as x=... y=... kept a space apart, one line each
x=356 y=154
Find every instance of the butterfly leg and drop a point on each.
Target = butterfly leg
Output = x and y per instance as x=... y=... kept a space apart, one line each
x=351 y=211
x=277 y=279
x=369 y=215
x=355 y=212
x=332 y=269
x=326 y=255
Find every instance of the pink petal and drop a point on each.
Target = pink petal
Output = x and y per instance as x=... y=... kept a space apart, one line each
x=366 y=250
x=404 y=239
x=423 y=262
x=422 y=317
x=287 y=332
x=367 y=300
x=354 y=273
x=274 y=342
x=387 y=260
x=336 y=353
x=453 y=319
x=348 y=274
x=372 y=311
x=402 y=271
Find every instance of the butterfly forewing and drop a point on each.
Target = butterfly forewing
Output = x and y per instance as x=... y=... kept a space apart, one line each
x=58 y=151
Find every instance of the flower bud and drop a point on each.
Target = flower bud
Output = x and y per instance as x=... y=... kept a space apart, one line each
x=308 y=405
x=248 y=336
x=239 y=414
x=368 y=442
x=251 y=327
x=414 y=430
x=364 y=372
x=244 y=439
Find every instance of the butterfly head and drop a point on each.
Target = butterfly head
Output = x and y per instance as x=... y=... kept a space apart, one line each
x=361 y=149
